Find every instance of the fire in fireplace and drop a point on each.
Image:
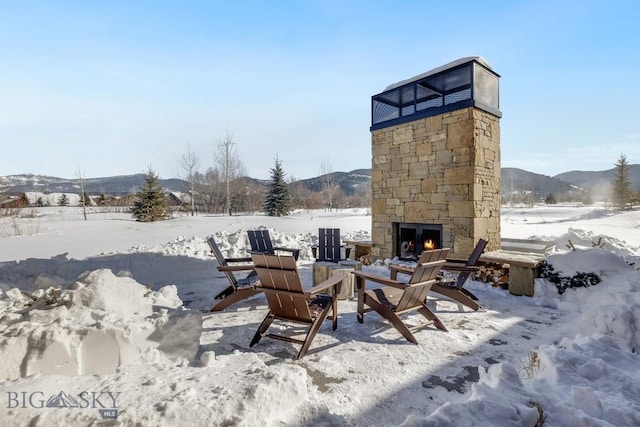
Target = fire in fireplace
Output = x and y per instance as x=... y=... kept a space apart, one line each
x=412 y=239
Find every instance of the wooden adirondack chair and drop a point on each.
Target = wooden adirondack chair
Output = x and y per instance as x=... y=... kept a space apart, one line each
x=396 y=298
x=260 y=241
x=329 y=248
x=238 y=289
x=289 y=303
x=454 y=289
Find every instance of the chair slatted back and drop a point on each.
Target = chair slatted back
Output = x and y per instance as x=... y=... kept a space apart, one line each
x=424 y=274
x=472 y=261
x=433 y=255
x=329 y=244
x=477 y=253
x=281 y=283
x=222 y=261
x=260 y=241
x=421 y=281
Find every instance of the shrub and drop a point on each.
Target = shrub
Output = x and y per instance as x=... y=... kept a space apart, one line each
x=578 y=280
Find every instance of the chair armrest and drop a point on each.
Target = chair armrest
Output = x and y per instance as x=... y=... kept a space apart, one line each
x=456 y=260
x=460 y=268
x=245 y=259
x=402 y=269
x=279 y=248
x=329 y=283
x=347 y=250
x=379 y=279
x=235 y=267
x=294 y=251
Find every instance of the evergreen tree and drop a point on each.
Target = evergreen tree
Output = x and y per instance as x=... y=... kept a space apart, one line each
x=85 y=200
x=278 y=200
x=63 y=200
x=550 y=200
x=622 y=191
x=151 y=203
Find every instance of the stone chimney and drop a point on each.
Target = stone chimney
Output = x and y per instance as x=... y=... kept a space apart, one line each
x=436 y=160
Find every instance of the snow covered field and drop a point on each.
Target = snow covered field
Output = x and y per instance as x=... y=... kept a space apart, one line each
x=120 y=333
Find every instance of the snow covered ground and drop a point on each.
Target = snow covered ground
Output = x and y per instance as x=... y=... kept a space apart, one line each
x=106 y=322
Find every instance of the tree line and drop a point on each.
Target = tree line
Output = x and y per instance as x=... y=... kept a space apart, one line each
x=224 y=189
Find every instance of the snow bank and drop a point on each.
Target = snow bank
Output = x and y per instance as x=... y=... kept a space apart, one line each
x=586 y=380
x=100 y=323
x=235 y=244
x=576 y=238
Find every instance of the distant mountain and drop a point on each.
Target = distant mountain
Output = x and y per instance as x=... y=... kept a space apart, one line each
x=600 y=182
x=349 y=182
x=568 y=185
x=115 y=185
x=517 y=181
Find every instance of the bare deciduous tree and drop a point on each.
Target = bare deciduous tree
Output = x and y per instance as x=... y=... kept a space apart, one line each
x=82 y=192
x=362 y=196
x=229 y=164
x=329 y=186
x=189 y=164
x=299 y=194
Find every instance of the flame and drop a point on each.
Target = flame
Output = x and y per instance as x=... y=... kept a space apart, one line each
x=429 y=244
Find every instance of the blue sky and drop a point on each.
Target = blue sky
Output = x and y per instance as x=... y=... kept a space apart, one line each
x=114 y=87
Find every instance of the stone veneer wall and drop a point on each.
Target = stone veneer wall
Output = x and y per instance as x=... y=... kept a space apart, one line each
x=444 y=170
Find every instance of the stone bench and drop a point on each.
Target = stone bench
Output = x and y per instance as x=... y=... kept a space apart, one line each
x=360 y=248
x=523 y=257
x=526 y=246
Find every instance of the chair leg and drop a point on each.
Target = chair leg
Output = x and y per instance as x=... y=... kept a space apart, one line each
x=334 y=311
x=360 y=287
x=469 y=294
x=236 y=296
x=456 y=295
x=393 y=319
x=262 y=329
x=228 y=291
x=313 y=330
x=430 y=315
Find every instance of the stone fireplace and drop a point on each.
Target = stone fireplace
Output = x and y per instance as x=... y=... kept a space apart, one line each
x=412 y=239
x=436 y=161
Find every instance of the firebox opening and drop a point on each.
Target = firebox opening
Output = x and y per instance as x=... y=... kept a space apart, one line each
x=412 y=239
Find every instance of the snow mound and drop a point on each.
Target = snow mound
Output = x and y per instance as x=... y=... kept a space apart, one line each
x=584 y=365
x=96 y=291
x=601 y=261
x=100 y=323
x=583 y=239
x=235 y=244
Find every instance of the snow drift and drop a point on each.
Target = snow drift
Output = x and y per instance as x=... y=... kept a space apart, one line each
x=98 y=324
